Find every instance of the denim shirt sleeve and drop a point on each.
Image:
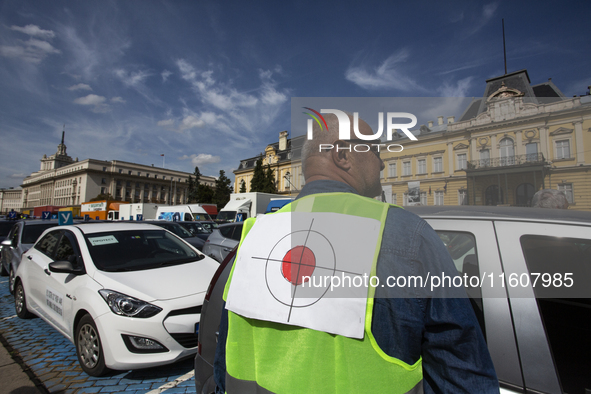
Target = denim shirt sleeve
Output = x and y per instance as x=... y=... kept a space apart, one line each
x=442 y=329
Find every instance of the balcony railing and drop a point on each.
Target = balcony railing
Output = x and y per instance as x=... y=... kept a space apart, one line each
x=532 y=158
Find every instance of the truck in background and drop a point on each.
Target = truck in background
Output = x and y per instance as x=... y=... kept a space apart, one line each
x=99 y=210
x=245 y=205
x=138 y=211
x=38 y=211
x=75 y=211
x=182 y=213
x=277 y=203
x=211 y=209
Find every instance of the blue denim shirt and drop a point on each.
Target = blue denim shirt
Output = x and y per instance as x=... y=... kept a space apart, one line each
x=443 y=330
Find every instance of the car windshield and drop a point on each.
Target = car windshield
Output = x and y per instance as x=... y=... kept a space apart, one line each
x=5 y=228
x=135 y=250
x=177 y=229
x=227 y=215
x=32 y=232
x=210 y=226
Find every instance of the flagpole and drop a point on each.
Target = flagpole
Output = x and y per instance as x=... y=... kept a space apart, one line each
x=162 y=160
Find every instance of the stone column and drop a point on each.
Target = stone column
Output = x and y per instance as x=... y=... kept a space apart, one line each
x=580 y=148
x=450 y=159
x=544 y=149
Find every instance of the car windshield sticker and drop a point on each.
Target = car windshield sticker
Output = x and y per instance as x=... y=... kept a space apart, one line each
x=284 y=268
x=105 y=240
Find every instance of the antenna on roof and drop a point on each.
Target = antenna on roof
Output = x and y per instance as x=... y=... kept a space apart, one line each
x=504 y=49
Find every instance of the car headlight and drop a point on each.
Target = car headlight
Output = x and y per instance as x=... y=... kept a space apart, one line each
x=125 y=305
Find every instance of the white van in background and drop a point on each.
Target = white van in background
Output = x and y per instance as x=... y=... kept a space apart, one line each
x=182 y=213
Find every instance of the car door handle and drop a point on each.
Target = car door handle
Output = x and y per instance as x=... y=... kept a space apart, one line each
x=30 y=257
x=47 y=271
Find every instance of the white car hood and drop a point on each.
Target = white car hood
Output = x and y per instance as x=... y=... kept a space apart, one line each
x=161 y=283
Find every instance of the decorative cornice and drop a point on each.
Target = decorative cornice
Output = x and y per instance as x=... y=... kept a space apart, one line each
x=561 y=130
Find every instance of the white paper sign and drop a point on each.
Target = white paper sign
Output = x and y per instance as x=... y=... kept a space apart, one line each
x=288 y=266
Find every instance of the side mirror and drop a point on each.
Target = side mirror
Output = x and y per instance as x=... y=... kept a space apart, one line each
x=7 y=242
x=65 y=267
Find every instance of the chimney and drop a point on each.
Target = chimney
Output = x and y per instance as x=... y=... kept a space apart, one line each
x=430 y=124
x=440 y=120
x=282 y=140
x=450 y=119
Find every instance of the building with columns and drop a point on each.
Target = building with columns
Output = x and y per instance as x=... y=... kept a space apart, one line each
x=516 y=139
x=63 y=181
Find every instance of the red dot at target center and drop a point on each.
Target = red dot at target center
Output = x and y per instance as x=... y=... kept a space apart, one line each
x=298 y=263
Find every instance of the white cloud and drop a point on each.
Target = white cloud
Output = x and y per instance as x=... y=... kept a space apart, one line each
x=118 y=100
x=489 y=11
x=460 y=89
x=34 y=30
x=385 y=76
x=201 y=159
x=32 y=51
x=98 y=103
x=167 y=124
x=91 y=99
x=165 y=74
x=80 y=86
x=190 y=122
x=17 y=176
x=133 y=78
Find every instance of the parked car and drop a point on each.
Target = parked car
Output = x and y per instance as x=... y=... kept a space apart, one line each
x=128 y=295
x=5 y=227
x=222 y=240
x=22 y=236
x=538 y=336
x=180 y=231
x=197 y=229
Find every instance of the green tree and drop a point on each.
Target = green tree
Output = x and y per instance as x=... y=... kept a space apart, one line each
x=205 y=194
x=269 y=185
x=193 y=192
x=222 y=190
x=257 y=183
x=242 y=187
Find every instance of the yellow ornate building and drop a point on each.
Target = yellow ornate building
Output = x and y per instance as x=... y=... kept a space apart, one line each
x=515 y=140
x=512 y=142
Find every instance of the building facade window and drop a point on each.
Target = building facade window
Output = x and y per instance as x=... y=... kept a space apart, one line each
x=507 y=152
x=438 y=164
x=394 y=199
x=438 y=198
x=103 y=181
x=421 y=166
x=104 y=168
x=461 y=161
x=531 y=151
x=120 y=170
x=423 y=198
x=406 y=168
x=567 y=189
x=392 y=170
x=485 y=158
x=563 y=149
x=129 y=172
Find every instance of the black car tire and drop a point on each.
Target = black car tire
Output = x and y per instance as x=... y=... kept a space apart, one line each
x=89 y=348
x=20 y=302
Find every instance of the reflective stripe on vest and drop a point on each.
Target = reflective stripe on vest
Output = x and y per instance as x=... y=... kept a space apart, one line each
x=264 y=357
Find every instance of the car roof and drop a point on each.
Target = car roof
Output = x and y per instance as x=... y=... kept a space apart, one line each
x=502 y=213
x=88 y=228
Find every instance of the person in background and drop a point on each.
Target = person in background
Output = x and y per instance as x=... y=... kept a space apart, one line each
x=549 y=198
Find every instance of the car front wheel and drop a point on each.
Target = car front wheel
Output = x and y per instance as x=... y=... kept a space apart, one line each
x=20 y=302
x=89 y=348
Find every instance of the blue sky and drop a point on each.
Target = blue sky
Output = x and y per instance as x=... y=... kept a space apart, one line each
x=208 y=83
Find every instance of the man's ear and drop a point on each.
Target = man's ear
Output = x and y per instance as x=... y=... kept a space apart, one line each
x=341 y=156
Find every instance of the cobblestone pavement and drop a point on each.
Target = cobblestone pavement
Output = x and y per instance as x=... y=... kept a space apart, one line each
x=52 y=358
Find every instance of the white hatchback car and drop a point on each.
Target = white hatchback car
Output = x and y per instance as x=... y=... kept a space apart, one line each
x=127 y=295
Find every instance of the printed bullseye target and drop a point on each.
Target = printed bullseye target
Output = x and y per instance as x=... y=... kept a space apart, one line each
x=287 y=268
x=294 y=261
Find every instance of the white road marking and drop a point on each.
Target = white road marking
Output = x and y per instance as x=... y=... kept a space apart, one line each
x=8 y=318
x=172 y=384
